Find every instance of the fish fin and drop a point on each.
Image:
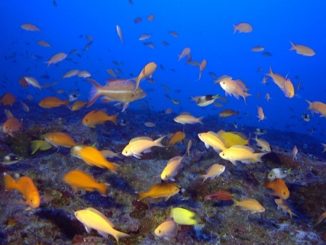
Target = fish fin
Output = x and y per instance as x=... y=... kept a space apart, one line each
x=204 y=176
x=147 y=151
x=200 y=120
x=138 y=156
x=125 y=106
x=158 y=141
x=9 y=182
x=206 y=145
x=88 y=230
x=103 y=234
x=95 y=93
x=234 y=162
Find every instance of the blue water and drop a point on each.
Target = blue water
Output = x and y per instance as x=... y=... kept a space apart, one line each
x=205 y=26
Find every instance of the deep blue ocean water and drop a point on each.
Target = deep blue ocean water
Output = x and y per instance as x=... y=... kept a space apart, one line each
x=204 y=26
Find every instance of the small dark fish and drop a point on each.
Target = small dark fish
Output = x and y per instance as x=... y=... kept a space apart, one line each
x=220 y=196
x=137 y=20
x=267 y=54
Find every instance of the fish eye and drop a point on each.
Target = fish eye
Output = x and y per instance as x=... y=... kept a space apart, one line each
x=159 y=231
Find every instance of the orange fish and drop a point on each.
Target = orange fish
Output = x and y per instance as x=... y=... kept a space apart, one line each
x=12 y=125
x=59 y=139
x=52 y=102
x=185 y=53
x=92 y=156
x=160 y=190
x=57 y=58
x=202 y=67
x=43 y=44
x=96 y=117
x=220 y=196
x=150 y=17
x=146 y=72
x=8 y=99
x=29 y=27
x=279 y=187
x=77 y=105
x=78 y=179
x=176 y=138
x=26 y=187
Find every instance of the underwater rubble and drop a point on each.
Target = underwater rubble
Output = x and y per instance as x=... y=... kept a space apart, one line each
x=221 y=221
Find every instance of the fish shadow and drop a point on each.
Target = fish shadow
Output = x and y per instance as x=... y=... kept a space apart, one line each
x=63 y=220
x=96 y=199
x=120 y=183
x=176 y=201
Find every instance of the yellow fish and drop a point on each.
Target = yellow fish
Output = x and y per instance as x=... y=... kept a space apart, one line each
x=232 y=138
x=241 y=153
x=160 y=190
x=92 y=156
x=214 y=171
x=138 y=145
x=251 y=205
x=78 y=179
x=183 y=216
x=171 y=169
x=39 y=145
x=211 y=139
x=94 y=219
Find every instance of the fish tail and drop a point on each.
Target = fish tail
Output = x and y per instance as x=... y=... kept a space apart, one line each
x=270 y=72
x=200 y=120
x=138 y=79
x=204 y=176
x=292 y=46
x=10 y=182
x=102 y=188
x=158 y=141
x=95 y=92
x=235 y=29
x=112 y=166
x=258 y=156
x=142 y=195
x=113 y=119
x=235 y=201
x=118 y=234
